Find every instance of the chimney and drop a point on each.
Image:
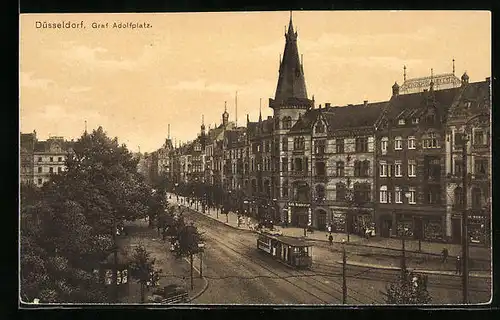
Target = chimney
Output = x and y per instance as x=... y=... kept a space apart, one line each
x=395 y=89
x=269 y=117
x=328 y=105
x=365 y=103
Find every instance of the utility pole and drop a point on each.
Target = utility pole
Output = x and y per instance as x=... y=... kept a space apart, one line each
x=115 y=262
x=344 y=284
x=191 y=262
x=465 y=234
x=403 y=255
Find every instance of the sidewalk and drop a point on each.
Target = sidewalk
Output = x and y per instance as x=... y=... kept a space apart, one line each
x=440 y=272
x=174 y=271
x=411 y=246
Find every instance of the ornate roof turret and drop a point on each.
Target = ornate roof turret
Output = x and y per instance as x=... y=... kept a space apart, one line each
x=225 y=115
x=395 y=89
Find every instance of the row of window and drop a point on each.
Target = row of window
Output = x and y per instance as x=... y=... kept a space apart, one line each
x=386 y=195
x=51 y=170
x=386 y=170
x=51 y=159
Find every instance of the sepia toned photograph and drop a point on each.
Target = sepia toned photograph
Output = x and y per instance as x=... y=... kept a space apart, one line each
x=319 y=158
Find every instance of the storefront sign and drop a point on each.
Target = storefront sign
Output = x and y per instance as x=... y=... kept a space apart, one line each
x=298 y=204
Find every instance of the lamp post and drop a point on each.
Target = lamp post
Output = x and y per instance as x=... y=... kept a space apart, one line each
x=465 y=234
x=201 y=246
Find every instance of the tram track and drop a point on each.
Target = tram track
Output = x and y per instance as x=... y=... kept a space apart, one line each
x=308 y=278
x=444 y=281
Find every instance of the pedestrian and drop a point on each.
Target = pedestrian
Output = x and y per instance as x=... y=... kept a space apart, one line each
x=330 y=239
x=458 y=266
x=445 y=254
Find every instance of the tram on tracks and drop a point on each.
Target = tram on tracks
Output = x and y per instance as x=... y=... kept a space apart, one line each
x=296 y=253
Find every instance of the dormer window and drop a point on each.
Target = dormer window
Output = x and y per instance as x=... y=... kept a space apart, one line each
x=320 y=127
x=401 y=121
x=414 y=120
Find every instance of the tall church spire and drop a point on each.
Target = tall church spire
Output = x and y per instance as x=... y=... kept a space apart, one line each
x=291 y=82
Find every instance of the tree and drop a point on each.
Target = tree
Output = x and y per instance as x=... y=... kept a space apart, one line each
x=67 y=226
x=142 y=268
x=409 y=288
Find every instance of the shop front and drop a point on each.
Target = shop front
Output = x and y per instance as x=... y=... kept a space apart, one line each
x=300 y=216
x=361 y=221
x=339 y=222
x=320 y=215
x=478 y=229
x=420 y=227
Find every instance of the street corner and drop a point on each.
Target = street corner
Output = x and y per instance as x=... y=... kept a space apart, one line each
x=200 y=286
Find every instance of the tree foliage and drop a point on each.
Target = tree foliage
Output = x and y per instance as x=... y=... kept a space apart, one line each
x=142 y=268
x=409 y=288
x=186 y=238
x=67 y=226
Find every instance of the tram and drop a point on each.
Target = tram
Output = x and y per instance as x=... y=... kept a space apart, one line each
x=296 y=253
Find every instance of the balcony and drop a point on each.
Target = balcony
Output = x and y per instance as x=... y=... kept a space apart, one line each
x=320 y=178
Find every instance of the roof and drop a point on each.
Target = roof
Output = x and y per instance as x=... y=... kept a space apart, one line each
x=28 y=141
x=291 y=82
x=294 y=242
x=413 y=104
x=53 y=145
x=306 y=121
x=478 y=94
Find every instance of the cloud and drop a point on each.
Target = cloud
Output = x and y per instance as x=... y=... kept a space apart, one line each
x=55 y=112
x=93 y=57
x=27 y=80
x=254 y=86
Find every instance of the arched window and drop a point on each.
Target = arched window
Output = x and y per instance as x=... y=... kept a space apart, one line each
x=320 y=192
x=458 y=197
x=340 y=191
x=476 y=198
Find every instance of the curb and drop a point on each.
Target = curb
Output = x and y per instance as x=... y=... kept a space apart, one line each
x=435 y=272
x=215 y=219
x=205 y=287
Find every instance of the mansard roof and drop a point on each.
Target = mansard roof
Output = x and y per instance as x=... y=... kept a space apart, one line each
x=474 y=98
x=414 y=104
x=353 y=116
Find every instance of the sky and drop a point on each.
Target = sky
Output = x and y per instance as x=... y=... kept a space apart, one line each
x=134 y=82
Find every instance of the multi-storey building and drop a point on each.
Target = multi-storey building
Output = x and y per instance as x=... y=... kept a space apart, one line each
x=387 y=163
x=27 y=148
x=411 y=160
x=49 y=158
x=470 y=116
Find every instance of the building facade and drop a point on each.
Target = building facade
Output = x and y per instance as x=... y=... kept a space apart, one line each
x=391 y=165
x=49 y=158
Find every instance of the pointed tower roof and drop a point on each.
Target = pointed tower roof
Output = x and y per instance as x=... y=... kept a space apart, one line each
x=291 y=81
